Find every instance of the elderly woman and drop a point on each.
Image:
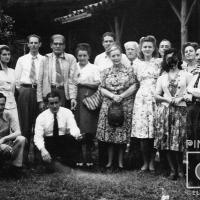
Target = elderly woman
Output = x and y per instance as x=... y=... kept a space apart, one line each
x=144 y=110
x=189 y=53
x=118 y=84
x=88 y=82
x=193 y=117
x=7 y=81
x=171 y=126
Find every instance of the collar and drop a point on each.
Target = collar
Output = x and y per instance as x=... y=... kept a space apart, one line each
x=35 y=57
x=62 y=56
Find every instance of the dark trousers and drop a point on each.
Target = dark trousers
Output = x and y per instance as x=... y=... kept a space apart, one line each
x=63 y=148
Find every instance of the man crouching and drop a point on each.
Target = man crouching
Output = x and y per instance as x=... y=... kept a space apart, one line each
x=11 y=142
x=56 y=132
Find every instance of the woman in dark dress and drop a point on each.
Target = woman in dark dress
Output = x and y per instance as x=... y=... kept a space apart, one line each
x=88 y=81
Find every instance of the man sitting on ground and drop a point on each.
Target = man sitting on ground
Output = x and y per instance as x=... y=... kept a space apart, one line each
x=11 y=142
x=55 y=133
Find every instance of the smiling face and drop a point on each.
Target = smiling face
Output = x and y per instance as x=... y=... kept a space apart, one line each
x=189 y=53
x=5 y=56
x=147 y=49
x=107 y=42
x=82 y=57
x=164 y=45
x=115 y=56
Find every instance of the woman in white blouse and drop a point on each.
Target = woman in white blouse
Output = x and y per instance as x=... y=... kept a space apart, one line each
x=189 y=53
x=171 y=124
x=7 y=81
x=88 y=82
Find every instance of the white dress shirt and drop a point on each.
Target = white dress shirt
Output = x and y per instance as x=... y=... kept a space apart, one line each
x=45 y=121
x=89 y=74
x=103 y=61
x=23 y=68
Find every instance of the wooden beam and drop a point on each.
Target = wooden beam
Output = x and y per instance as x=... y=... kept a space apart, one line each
x=190 y=11
x=175 y=10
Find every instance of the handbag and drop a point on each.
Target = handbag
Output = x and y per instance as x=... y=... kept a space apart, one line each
x=115 y=114
x=94 y=101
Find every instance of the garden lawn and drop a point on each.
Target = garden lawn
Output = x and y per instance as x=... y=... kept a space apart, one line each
x=84 y=185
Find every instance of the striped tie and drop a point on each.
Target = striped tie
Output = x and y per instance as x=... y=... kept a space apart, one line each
x=59 y=77
x=32 y=75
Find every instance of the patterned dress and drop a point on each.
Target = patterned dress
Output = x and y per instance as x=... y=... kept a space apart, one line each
x=117 y=80
x=171 y=120
x=144 y=110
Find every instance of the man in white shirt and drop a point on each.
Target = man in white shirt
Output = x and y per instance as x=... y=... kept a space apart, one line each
x=26 y=72
x=102 y=60
x=132 y=51
x=56 y=132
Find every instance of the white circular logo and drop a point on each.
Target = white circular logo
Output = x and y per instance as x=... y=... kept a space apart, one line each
x=197 y=171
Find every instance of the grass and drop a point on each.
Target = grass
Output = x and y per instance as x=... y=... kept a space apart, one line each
x=84 y=185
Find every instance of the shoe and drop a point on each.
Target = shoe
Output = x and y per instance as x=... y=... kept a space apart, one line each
x=79 y=164
x=144 y=168
x=89 y=164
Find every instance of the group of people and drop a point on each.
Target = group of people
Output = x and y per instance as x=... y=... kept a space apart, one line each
x=64 y=104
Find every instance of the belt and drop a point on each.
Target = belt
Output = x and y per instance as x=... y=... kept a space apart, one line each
x=57 y=87
x=29 y=85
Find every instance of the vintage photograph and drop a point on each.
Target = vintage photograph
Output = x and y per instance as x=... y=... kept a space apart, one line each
x=99 y=99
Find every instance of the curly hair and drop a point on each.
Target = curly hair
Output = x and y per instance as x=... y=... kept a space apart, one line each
x=148 y=38
x=189 y=44
x=83 y=47
x=165 y=66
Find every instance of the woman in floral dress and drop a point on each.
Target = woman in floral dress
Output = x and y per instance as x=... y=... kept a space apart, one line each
x=144 y=110
x=118 y=84
x=171 y=124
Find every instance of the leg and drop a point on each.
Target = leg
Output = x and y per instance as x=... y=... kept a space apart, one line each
x=169 y=155
x=121 y=156
x=110 y=155
x=145 y=154
x=152 y=155
x=89 y=144
x=179 y=160
x=18 y=149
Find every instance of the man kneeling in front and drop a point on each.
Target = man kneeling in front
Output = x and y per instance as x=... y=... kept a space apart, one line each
x=11 y=142
x=56 y=132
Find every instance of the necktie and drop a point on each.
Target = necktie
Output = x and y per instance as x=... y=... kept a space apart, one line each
x=55 y=126
x=59 y=77
x=131 y=63
x=32 y=74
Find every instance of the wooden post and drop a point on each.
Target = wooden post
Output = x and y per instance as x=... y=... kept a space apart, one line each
x=183 y=17
x=117 y=29
x=184 y=27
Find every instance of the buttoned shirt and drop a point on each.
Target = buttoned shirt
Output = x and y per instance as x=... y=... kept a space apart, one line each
x=53 y=78
x=103 y=61
x=8 y=124
x=23 y=68
x=89 y=74
x=45 y=121
x=7 y=86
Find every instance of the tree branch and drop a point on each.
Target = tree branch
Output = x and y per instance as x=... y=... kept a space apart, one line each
x=122 y=25
x=190 y=11
x=175 y=10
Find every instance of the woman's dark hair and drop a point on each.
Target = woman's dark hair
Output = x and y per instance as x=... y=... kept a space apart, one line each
x=187 y=44
x=176 y=57
x=4 y=47
x=83 y=47
x=148 y=38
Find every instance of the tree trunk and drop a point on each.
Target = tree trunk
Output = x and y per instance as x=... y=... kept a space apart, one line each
x=184 y=27
x=117 y=29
